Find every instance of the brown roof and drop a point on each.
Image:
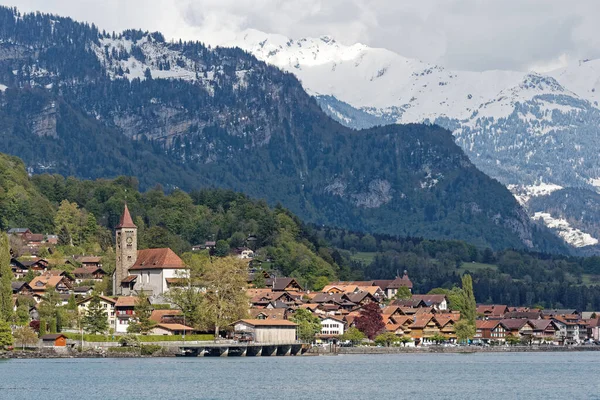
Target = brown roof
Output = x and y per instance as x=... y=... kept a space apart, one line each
x=267 y=322
x=274 y=313
x=52 y=336
x=126 y=221
x=129 y=278
x=126 y=301
x=430 y=298
x=89 y=259
x=105 y=298
x=157 y=259
x=158 y=315
x=84 y=271
x=43 y=282
x=175 y=327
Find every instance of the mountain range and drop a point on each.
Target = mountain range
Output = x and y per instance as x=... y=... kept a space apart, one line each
x=526 y=129
x=79 y=101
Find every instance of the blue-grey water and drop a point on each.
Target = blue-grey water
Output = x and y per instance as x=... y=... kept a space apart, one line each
x=402 y=376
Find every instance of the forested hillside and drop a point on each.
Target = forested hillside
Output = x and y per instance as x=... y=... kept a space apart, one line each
x=87 y=211
x=79 y=101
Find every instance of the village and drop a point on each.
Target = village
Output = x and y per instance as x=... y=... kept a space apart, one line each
x=279 y=310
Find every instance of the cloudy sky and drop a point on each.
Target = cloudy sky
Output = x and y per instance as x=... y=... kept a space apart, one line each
x=459 y=34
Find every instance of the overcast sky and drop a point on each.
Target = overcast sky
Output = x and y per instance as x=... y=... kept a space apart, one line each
x=458 y=34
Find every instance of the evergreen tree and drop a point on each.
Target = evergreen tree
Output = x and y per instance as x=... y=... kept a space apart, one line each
x=95 y=318
x=42 y=330
x=6 y=338
x=6 y=309
x=469 y=311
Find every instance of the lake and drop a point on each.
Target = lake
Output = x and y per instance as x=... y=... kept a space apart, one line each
x=415 y=376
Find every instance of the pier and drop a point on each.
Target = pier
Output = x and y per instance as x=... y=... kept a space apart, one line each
x=242 y=349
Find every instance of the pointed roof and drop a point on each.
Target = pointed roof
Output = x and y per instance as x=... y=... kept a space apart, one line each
x=126 y=221
x=157 y=259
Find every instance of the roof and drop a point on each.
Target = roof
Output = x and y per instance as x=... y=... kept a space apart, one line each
x=129 y=278
x=82 y=289
x=18 y=230
x=514 y=323
x=430 y=298
x=126 y=221
x=497 y=310
x=104 y=298
x=269 y=313
x=267 y=322
x=158 y=315
x=89 y=259
x=175 y=327
x=283 y=283
x=36 y=237
x=42 y=282
x=126 y=301
x=157 y=259
x=523 y=315
x=84 y=271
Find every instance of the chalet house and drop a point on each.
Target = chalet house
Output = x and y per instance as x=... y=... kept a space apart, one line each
x=244 y=253
x=21 y=288
x=409 y=303
x=390 y=287
x=206 y=245
x=107 y=303
x=492 y=311
x=89 y=273
x=284 y=285
x=171 y=329
x=559 y=313
x=37 y=265
x=544 y=330
x=593 y=329
x=490 y=331
x=520 y=328
x=167 y=316
x=437 y=301
x=18 y=269
x=361 y=299
x=536 y=314
x=82 y=291
x=331 y=328
x=41 y=284
x=90 y=261
x=266 y=313
x=20 y=232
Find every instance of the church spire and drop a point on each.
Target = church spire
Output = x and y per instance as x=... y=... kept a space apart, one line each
x=126 y=221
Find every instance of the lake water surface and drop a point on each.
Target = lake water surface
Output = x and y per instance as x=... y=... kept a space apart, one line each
x=398 y=376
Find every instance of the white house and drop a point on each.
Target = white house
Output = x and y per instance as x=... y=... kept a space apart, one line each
x=331 y=327
x=107 y=303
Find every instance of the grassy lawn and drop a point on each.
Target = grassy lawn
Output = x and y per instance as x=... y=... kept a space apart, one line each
x=474 y=267
x=363 y=257
x=590 y=280
x=143 y=338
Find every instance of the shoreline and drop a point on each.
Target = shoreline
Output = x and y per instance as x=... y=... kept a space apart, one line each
x=169 y=352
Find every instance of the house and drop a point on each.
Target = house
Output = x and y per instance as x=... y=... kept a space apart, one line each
x=266 y=313
x=569 y=329
x=520 y=328
x=171 y=329
x=409 y=303
x=536 y=314
x=244 y=253
x=207 y=245
x=21 y=288
x=390 y=287
x=284 y=285
x=166 y=316
x=54 y=340
x=41 y=284
x=593 y=329
x=490 y=331
x=89 y=273
x=107 y=303
x=331 y=328
x=545 y=330
x=267 y=331
x=125 y=311
x=438 y=301
x=18 y=269
x=82 y=291
x=492 y=311
x=90 y=261
x=20 y=232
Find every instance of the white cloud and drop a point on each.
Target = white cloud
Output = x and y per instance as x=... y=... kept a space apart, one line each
x=462 y=34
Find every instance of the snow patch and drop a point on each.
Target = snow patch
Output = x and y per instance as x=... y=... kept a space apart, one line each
x=3 y=87
x=524 y=193
x=573 y=236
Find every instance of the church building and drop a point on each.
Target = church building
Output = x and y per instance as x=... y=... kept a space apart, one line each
x=150 y=270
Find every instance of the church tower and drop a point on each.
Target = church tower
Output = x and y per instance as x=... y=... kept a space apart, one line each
x=126 y=250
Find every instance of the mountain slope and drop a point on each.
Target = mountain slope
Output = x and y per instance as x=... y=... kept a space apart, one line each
x=184 y=115
x=520 y=128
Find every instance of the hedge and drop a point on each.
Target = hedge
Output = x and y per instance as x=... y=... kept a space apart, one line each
x=143 y=338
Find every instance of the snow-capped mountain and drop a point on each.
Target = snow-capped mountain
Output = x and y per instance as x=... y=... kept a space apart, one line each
x=522 y=128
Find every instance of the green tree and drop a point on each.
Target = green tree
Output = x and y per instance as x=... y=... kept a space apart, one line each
x=308 y=324
x=403 y=293
x=25 y=336
x=95 y=318
x=6 y=307
x=52 y=325
x=386 y=339
x=221 y=248
x=224 y=300
x=404 y=340
x=512 y=340
x=353 y=335
x=42 y=330
x=143 y=311
x=259 y=281
x=438 y=338
x=67 y=222
x=469 y=312
x=464 y=330
x=320 y=282
x=6 y=338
